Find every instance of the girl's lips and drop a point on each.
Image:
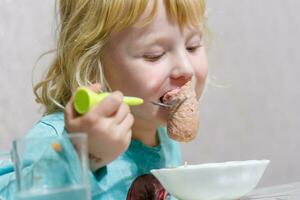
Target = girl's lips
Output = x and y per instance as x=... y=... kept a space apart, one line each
x=169 y=95
x=169 y=92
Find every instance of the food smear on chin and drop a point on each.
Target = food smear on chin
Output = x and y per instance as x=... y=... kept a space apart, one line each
x=183 y=119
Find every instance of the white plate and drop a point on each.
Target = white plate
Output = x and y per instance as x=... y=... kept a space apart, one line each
x=212 y=181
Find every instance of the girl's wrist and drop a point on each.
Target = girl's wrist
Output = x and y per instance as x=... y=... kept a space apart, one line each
x=95 y=162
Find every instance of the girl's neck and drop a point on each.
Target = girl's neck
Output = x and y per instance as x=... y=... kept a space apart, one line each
x=145 y=132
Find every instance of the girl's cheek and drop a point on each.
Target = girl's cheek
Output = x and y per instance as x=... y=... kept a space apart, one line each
x=150 y=84
x=201 y=76
x=201 y=71
x=156 y=83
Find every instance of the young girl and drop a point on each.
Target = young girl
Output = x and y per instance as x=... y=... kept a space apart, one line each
x=133 y=48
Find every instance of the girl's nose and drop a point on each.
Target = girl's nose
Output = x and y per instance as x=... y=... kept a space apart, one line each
x=182 y=70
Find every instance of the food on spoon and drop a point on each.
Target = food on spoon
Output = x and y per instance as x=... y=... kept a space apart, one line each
x=183 y=120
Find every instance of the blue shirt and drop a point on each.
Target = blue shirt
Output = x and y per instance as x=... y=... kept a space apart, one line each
x=114 y=180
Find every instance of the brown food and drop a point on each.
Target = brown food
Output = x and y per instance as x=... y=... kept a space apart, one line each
x=183 y=121
x=146 y=187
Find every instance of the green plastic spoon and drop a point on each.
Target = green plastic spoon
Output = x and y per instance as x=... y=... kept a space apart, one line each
x=85 y=99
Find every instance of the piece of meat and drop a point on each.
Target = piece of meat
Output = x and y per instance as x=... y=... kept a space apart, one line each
x=146 y=187
x=183 y=121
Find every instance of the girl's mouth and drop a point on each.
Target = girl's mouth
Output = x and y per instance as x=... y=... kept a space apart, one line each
x=161 y=99
x=169 y=99
x=169 y=95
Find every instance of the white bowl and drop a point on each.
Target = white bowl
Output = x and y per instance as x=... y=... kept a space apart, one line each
x=212 y=181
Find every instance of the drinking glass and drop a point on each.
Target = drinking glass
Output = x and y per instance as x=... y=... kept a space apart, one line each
x=53 y=168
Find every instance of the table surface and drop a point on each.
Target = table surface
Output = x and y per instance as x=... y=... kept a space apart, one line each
x=289 y=191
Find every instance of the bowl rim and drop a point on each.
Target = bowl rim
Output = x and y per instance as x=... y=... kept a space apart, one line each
x=214 y=165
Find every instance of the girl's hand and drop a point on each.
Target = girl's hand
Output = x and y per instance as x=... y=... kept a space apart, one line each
x=107 y=124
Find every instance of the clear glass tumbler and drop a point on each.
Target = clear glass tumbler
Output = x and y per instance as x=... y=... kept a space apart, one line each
x=53 y=168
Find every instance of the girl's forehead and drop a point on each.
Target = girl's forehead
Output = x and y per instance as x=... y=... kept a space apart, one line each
x=188 y=14
x=161 y=22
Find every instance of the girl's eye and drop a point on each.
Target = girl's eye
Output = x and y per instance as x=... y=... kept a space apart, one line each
x=153 y=57
x=193 y=48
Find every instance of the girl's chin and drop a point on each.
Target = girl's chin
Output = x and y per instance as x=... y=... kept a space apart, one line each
x=157 y=116
x=161 y=117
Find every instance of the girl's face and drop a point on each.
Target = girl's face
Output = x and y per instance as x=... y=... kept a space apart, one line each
x=150 y=61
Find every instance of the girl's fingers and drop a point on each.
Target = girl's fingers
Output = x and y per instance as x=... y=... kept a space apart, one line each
x=109 y=106
x=121 y=113
x=70 y=109
x=127 y=138
x=72 y=118
x=126 y=124
x=124 y=130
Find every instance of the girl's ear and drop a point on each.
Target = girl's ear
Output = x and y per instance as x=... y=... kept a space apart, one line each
x=96 y=87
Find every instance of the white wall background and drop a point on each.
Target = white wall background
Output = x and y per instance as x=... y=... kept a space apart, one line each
x=254 y=50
